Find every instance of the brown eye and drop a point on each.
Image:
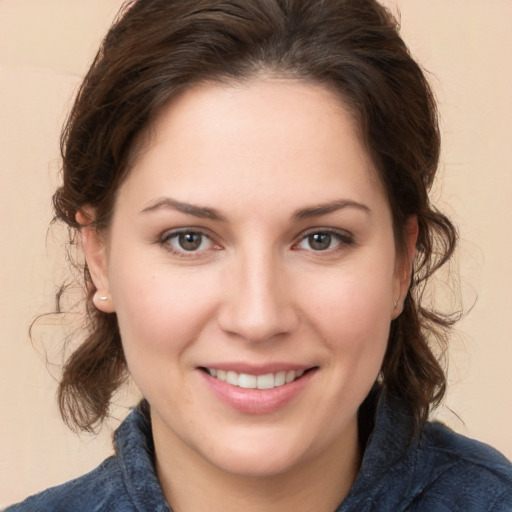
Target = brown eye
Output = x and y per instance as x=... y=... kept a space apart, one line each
x=190 y=241
x=325 y=240
x=183 y=241
x=319 y=241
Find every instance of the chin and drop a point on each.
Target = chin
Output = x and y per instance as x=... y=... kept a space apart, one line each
x=256 y=463
x=264 y=451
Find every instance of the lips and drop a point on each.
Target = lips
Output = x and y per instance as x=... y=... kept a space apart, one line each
x=257 y=390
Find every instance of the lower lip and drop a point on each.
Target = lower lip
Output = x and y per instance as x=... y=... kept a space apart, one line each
x=257 y=401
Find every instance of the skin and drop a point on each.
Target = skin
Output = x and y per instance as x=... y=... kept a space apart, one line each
x=260 y=156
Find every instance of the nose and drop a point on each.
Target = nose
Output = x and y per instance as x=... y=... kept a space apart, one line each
x=259 y=303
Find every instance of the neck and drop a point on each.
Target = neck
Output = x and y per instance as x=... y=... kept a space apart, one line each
x=192 y=484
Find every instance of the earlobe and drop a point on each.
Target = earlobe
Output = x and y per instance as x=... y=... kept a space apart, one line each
x=95 y=252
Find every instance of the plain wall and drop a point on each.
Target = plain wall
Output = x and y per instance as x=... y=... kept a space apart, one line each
x=45 y=47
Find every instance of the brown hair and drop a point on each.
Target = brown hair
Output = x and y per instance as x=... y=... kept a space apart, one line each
x=156 y=48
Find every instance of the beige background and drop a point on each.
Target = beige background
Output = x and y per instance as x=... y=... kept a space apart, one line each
x=45 y=47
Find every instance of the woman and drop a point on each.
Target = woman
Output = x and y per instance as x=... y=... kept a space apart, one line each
x=249 y=183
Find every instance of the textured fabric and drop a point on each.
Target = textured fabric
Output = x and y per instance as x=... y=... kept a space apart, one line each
x=438 y=471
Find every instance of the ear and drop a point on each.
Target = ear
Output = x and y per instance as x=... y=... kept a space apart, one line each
x=404 y=266
x=95 y=251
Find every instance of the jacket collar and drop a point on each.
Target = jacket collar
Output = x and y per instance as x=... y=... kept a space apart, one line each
x=133 y=443
x=385 y=479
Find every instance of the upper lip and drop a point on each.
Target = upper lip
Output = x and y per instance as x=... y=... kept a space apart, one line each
x=252 y=369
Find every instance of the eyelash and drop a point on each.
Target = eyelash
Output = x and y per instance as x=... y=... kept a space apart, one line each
x=343 y=239
x=165 y=241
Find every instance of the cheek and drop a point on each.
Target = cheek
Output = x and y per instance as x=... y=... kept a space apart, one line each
x=352 y=311
x=356 y=330
x=159 y=311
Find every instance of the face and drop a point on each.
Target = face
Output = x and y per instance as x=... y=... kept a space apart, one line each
x=252 y=266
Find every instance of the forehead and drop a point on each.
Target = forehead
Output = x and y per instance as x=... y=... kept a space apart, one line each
x=273 y=135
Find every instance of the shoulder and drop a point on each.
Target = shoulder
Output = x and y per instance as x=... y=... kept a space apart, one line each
x=461 y=474
x=101 y=489
x=122 y=483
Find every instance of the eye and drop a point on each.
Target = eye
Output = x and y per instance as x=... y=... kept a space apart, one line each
x=187 y=241
x=324 y=240
x=319 y=241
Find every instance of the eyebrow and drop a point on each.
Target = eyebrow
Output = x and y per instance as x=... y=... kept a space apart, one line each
x=202 y=212
x=205 y=212
x=330 y=207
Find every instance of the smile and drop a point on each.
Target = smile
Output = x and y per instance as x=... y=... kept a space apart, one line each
x=247 y=381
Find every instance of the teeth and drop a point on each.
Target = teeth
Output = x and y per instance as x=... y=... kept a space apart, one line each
x=232 y=378
x=247 y=381
x=265 y=381
x=279 y=378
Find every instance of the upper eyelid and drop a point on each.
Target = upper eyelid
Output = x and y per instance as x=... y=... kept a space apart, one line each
x=170 y=233
x=332 y=231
